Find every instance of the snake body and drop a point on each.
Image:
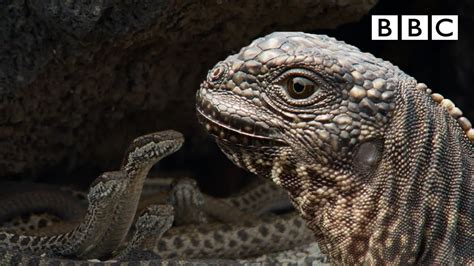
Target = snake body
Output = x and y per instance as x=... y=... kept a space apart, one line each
x=32 y=208
x=74 y=242
x=268 y=234
x=231 y=235
x=20 y=198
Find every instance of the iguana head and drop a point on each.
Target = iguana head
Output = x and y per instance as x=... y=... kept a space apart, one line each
x=340 y=129
x=305 y=110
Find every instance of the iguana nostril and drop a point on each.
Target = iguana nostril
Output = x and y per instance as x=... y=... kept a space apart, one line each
x=217 y=73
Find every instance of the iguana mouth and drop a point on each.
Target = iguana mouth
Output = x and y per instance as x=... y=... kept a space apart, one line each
x=236 y=131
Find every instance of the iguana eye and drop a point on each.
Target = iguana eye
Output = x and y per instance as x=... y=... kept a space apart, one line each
x=300 y=87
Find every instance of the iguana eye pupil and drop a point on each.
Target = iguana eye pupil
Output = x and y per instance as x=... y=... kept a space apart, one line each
x=300 y=87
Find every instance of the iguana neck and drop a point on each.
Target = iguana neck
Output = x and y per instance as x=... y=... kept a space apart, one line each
x=424 y=185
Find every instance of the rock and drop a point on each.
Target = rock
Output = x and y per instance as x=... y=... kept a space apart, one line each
x=80 y=79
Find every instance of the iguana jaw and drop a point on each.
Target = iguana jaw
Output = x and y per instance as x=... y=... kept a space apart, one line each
x=236 y=131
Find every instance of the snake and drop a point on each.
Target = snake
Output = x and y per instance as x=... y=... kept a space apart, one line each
x=113 y=201
x=102 y=193
x=110 y=216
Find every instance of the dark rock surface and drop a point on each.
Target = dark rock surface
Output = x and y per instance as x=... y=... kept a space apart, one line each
x=447 y=67
x=80 y=79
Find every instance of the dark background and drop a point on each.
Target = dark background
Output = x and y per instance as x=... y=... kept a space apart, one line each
x=445 y=66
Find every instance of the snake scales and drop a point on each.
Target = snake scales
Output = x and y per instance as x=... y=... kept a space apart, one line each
x=113 y=201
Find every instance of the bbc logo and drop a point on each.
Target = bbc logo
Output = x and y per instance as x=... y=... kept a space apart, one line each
x=415 y=27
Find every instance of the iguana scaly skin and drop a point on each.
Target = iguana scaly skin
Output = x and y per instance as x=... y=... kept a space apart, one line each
x=380 y=168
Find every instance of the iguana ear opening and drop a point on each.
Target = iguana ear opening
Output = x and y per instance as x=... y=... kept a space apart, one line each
x=366 y=157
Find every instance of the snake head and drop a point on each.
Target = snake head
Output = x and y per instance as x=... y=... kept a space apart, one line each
x=107 y=186
x=146 y=150
x=155 y=220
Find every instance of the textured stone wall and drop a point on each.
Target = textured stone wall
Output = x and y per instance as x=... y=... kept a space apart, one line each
x=80 y=79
